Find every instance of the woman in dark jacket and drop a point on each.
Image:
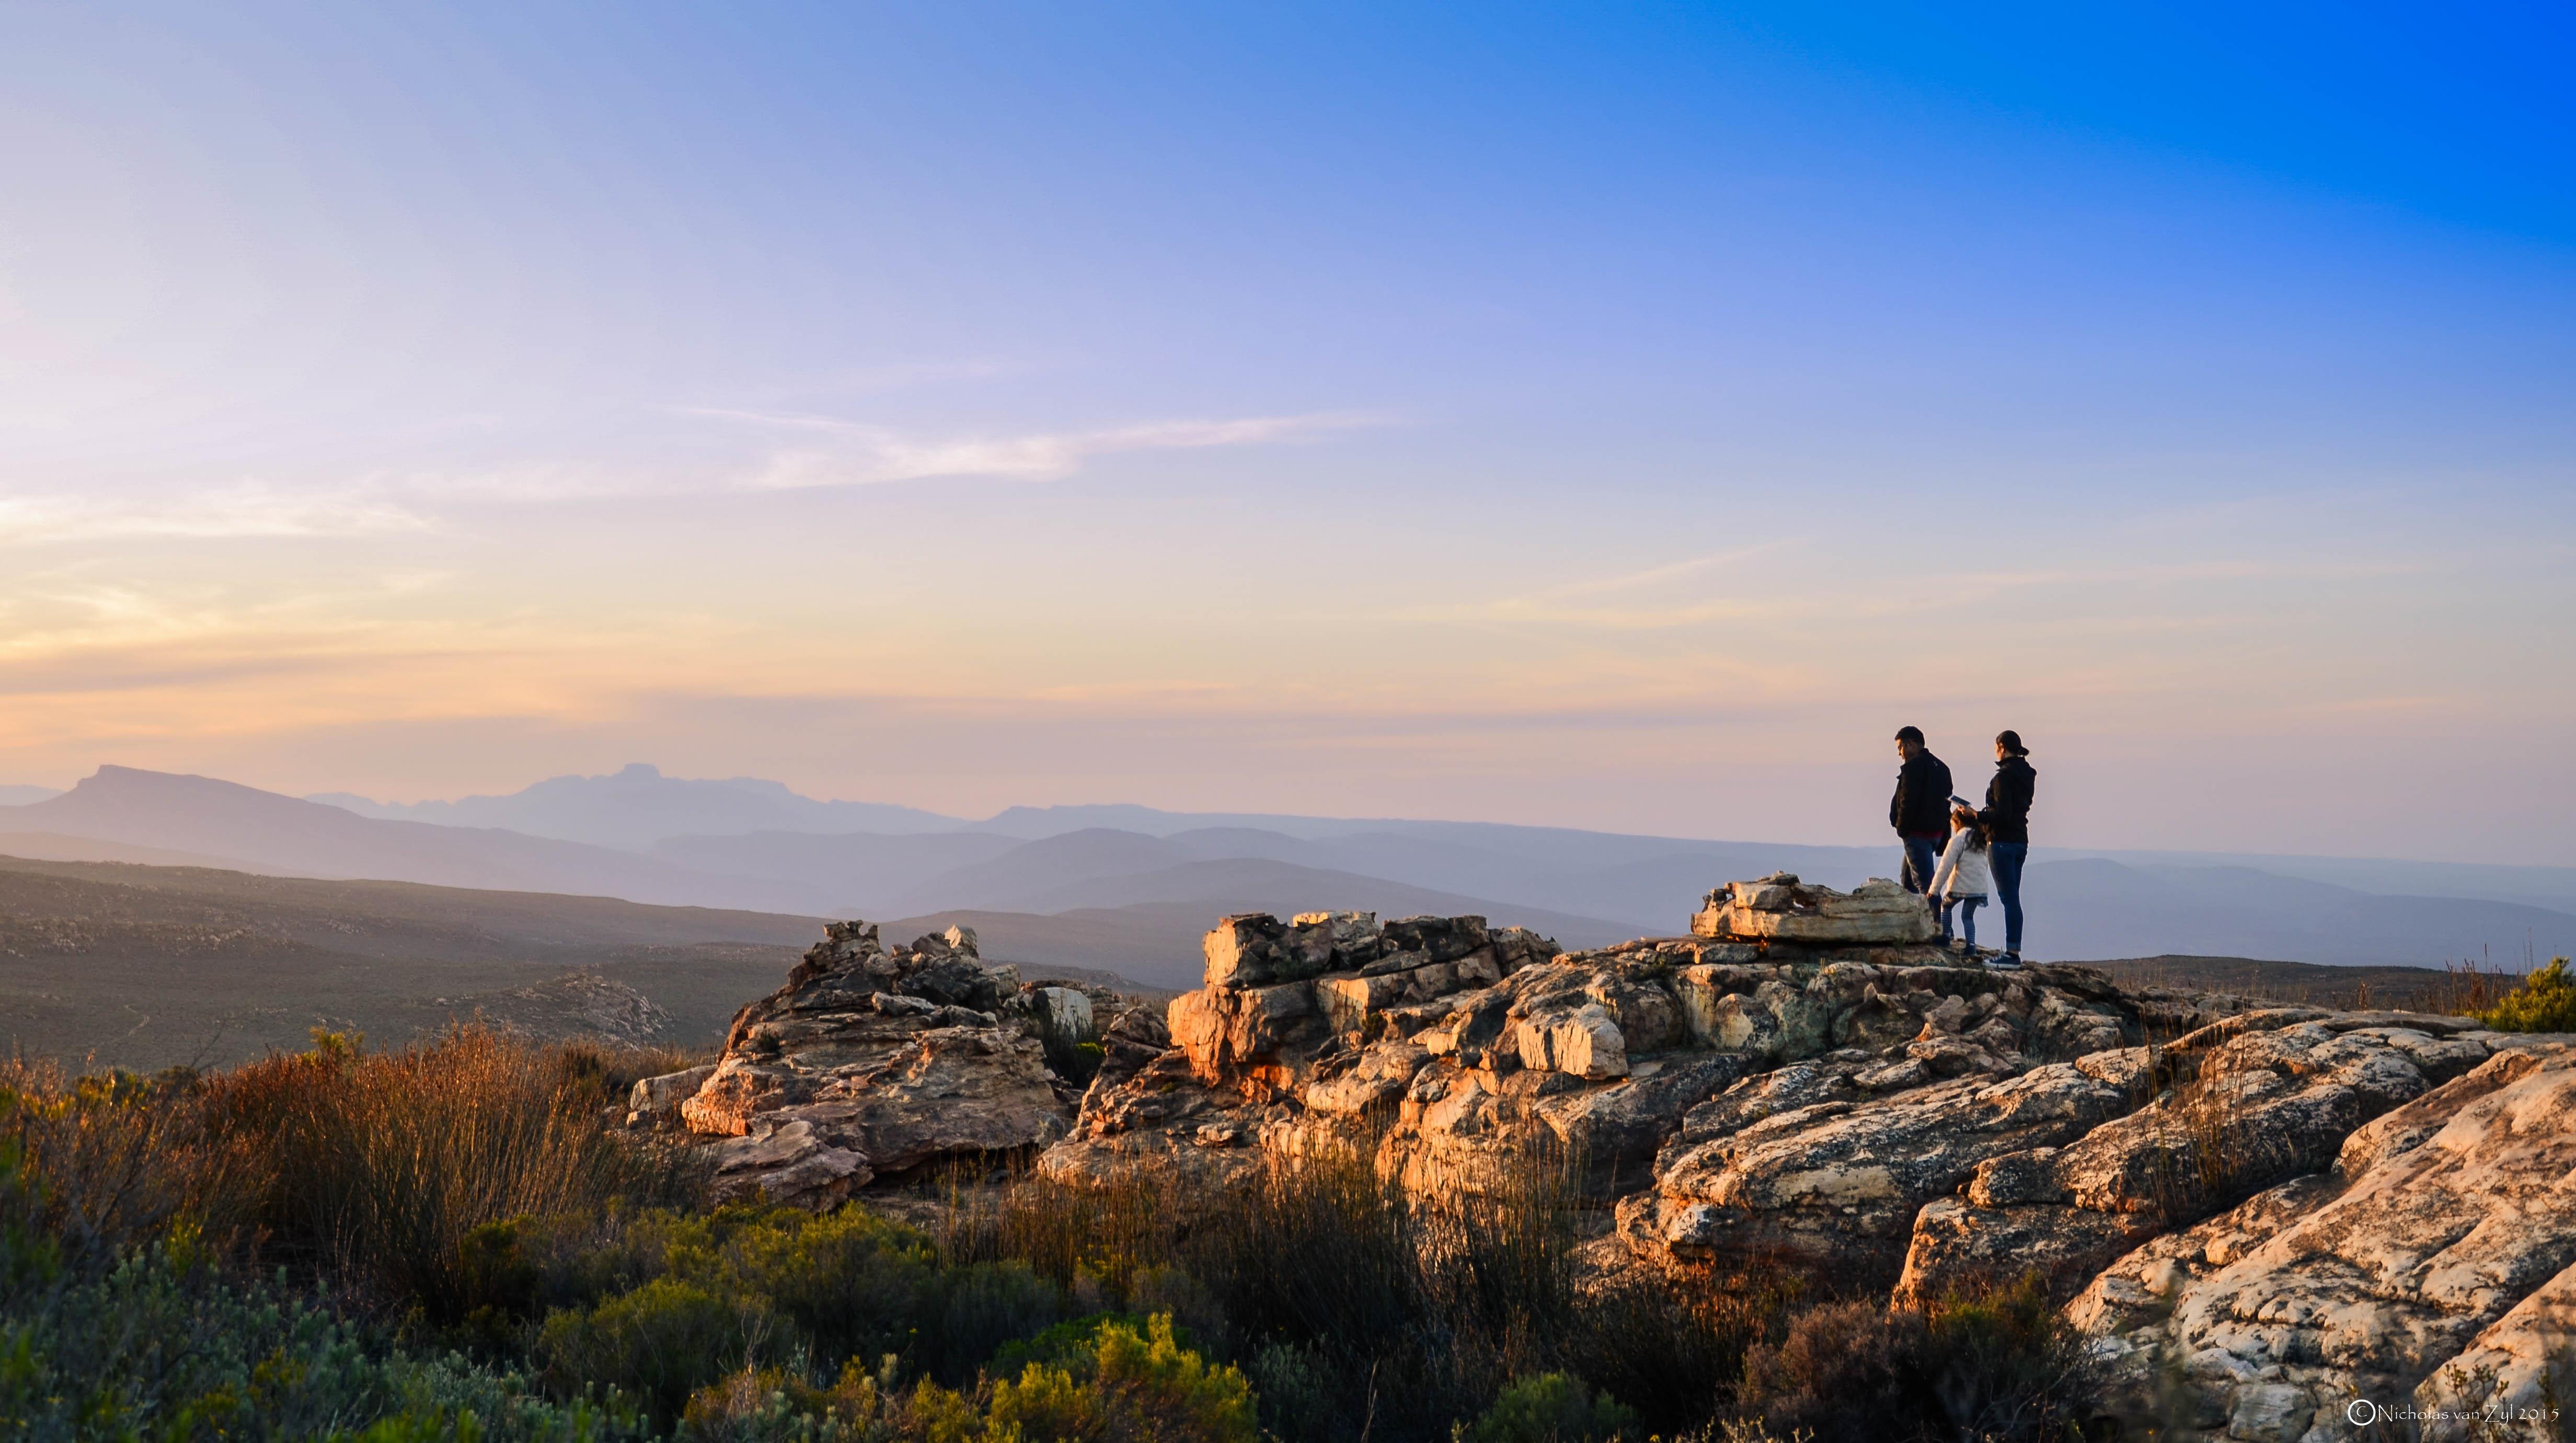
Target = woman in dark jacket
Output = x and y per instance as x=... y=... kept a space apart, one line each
x=2006 y=815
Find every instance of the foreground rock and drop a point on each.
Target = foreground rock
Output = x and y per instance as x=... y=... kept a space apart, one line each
x=872 y=1063
x=2431 y=1266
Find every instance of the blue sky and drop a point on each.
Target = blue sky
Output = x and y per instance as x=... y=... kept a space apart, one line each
x=1611 y=416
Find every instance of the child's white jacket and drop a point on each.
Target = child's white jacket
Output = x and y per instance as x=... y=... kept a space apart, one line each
x=1964 y=871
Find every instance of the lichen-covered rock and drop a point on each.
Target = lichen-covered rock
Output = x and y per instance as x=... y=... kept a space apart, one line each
x=2439 y=1246
x=873 y=1062
x=2260 y=1100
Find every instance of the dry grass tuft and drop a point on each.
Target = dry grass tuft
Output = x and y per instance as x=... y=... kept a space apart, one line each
x=365 y=1169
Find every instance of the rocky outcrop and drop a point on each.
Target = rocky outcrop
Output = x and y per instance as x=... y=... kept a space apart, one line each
x=2255 y=1100
x=874 y=1063
x=2266 y=1217
x=1663 y=1071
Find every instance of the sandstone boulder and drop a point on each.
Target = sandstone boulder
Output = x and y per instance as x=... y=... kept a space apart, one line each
x=1782 y=908
x=875 y=1062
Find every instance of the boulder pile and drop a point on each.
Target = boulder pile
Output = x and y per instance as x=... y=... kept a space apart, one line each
x=874 y=1063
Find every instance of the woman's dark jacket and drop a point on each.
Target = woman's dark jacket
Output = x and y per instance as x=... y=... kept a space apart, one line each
x=2007 y=809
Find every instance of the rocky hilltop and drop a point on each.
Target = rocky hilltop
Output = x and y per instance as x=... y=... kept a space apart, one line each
x=2260 y=1213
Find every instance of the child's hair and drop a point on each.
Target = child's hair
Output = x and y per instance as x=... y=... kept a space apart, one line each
x=1965 y=819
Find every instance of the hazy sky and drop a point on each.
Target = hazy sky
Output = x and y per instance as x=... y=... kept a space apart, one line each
x=1616 y=416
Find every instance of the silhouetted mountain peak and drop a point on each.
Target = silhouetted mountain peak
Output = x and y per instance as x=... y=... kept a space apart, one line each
x=638 y=806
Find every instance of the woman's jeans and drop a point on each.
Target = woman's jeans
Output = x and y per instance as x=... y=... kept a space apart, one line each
x=1966 y=907
x=2007 y=858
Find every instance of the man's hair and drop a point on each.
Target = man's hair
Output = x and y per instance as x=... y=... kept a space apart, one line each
x=2011 y=741
x=1910 y=734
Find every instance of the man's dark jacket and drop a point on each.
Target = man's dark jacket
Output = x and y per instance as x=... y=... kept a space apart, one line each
x=2007 y=809
x=1921 y=807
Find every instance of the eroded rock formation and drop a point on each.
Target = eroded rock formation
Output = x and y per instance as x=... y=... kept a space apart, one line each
x=873 y=1062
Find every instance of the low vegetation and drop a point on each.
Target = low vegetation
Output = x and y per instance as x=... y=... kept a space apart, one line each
x=2545 y=1002
x=454 y=1241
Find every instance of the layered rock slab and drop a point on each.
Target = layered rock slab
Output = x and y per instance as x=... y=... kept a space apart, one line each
x=2438 y=1245
x=2246 y=1103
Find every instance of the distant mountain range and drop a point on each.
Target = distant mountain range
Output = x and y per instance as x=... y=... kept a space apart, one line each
x=1151 y=880
x=638 y=806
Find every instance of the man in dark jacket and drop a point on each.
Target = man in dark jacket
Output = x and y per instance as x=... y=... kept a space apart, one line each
x=2006 y=815
x=1920 y=811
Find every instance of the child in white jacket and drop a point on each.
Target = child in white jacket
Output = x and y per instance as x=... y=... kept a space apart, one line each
x=1963 y=878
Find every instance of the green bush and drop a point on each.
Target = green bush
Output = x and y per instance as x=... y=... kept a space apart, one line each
x=156 y=1346
x=2545 y=1002
x=1145 y=1387
x=2002 y=1368
x=826 y=1289
x=1550 y=1408
x=775 y=1405
x=661 y=1342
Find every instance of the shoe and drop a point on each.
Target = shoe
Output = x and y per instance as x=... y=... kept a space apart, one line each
x=1959 y=944
x=2005 y=962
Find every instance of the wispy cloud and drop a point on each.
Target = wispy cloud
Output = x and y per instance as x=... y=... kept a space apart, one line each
x=862 y=454
x=248 y=510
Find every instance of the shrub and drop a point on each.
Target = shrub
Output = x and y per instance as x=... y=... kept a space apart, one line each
x=661 y=1342
x=828 y=1288
x=376 y=1168
x=2545 y=1002
x=1550 y=1408
x=2003 y=1367
x=774 y=1405
x=157 y=1346
x=111 y=1162
x=1145 y=1387
x=1358 y=1309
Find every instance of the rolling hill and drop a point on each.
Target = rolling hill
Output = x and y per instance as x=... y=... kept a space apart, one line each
x=111 y=964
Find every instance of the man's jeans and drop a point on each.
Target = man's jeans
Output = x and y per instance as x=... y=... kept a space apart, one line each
x=1922 y=859
x=1966 y=907
x=2007 y=858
